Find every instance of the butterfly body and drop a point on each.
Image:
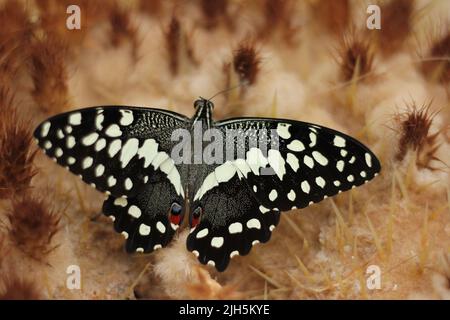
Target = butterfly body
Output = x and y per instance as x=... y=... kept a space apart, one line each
x=232 y=177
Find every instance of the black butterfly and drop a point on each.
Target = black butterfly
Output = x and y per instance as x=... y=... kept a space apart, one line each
x=126 y=152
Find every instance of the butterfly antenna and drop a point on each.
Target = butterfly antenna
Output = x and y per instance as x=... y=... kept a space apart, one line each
x=226 y=90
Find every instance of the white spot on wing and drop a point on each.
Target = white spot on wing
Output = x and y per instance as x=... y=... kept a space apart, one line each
x=368 y=160
x=128 y=151
x=292 y=160
x=70 y=142
x=122 y=202
x=202 y=233
x=127 y=117
x=339 y=141
x=320 y=182
x=87 y=162
x=134 y=211
x=305 y=186
x=89 y=139
x=59 y=133
x=225 y=172
x=113 y=131
x=217 y=242
x=320 y=158
x=58 y=152
x=277 y=162
x=291 y=195
x=99 y=170
x=114 y=147
x=45 y=129
x=273 y=195
x=99 y=119
x=161 y=227
x=283 y=130
x=242 y=166
x=253 y=224
x=128 y=184
x=296 y=145
x=263 y=209
x=307 y=160
x=75 y=119
x=144 y=230
x=235 y=227
x=313 y=138
x=148 y=151
x=111 y=181
x=255 y=160
x=340 y=165
x=100 y=144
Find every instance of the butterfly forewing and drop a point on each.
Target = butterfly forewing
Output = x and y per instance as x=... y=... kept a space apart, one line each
x=115 y=149
x=308 y=164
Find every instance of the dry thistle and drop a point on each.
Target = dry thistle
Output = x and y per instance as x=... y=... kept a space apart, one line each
x=333 y=14
x=437 y=64
x=355 y=56
x=173 y=38
x=178 y=46
x=243 y=69
x=49 y=74
x=123 y=29
x=15 y=288
x=32 y=226
x=415 y=135
x=246 y=62
x=15 y=35
x=16 y=149
x=396 y=24
x=279 y=16
x=214 y=12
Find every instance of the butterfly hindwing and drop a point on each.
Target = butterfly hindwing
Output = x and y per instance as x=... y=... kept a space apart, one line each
x=115 y=149
x=148 y=220
x=230 y=224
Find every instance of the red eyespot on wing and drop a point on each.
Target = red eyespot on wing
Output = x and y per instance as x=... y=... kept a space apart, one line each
x=175 y=219
x=195 y=222
x=196 y=216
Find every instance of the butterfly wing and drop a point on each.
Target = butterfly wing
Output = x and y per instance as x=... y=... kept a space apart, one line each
x=230 y=225
x=115 y=149
x=123 y=151
x=307 y=164
x=241 y=198
x=146 y=221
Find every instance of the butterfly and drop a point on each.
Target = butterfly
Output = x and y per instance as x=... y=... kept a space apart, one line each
x=128 y=153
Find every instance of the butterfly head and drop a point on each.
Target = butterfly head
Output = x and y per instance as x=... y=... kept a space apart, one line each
x=204 y=104
x=203 y=111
